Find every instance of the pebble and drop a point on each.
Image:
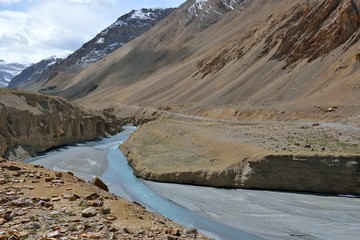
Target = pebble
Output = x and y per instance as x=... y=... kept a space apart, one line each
x=13 y=168
x=3 y=181
x=92 y=196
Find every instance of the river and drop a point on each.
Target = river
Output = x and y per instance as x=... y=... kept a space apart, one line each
x=218 y=213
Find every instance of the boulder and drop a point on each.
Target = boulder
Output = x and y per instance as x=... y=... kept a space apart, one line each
x=100 y=184
x=89 y=212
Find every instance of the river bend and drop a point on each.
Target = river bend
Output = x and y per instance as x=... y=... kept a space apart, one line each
x=218 y=213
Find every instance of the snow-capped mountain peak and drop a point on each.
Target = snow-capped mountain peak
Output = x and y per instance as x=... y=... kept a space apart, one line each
x=143 y=14
x=126 y=28
x=35 y=70
x=9 y=70
x=208 y=12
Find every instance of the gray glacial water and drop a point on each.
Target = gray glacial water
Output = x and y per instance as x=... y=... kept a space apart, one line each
x=219 y=213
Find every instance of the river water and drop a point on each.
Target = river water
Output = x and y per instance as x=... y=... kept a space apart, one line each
x=218 y=213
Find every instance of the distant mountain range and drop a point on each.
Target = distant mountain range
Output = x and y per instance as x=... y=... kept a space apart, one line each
x=8 y=71
x=126 y=28
x=36 y=72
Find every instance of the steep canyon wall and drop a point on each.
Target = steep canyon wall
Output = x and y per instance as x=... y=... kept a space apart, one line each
x=32 y=123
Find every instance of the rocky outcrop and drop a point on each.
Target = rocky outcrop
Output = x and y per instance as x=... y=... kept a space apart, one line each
x=32 y=123
x=309 y=31
x=319 y=29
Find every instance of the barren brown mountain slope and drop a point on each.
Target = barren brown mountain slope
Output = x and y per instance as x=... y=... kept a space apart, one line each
x=260 y=56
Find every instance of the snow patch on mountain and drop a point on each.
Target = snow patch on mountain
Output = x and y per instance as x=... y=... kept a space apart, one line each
x=9 y=70
x=95 y=54
x=51 y=61
x=141 y=14
x=120 y=32
x=100 y=40
x=208 y=12
x=195 y=8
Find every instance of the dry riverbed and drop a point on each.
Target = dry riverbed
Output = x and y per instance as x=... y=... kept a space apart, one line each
x=37 y=203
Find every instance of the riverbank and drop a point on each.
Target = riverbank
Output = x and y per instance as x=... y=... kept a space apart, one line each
x=310 y=157
x=38 y=203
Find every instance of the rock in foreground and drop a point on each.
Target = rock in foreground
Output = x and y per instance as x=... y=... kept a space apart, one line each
x=32 y=123
x=32 y=207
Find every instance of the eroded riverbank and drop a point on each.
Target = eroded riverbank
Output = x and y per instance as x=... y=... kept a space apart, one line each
x=307 y=157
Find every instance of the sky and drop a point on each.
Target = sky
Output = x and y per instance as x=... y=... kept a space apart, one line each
x=32 y=30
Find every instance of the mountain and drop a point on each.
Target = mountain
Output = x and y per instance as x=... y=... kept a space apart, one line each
x=126 y=28
x=8 y=71
x=33 y=74
x=232 y=59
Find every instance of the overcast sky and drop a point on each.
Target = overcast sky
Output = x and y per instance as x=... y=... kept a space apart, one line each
x=31 y=30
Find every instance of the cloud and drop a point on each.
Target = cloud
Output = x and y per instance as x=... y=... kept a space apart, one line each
x=9 y=2
x=48 y=28
x=33 y=30
x=32 y=39
x=93 y=2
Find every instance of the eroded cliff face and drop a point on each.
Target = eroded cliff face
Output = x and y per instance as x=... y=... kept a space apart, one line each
x=32 y=123
x=324 y=174
x=328 y=174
